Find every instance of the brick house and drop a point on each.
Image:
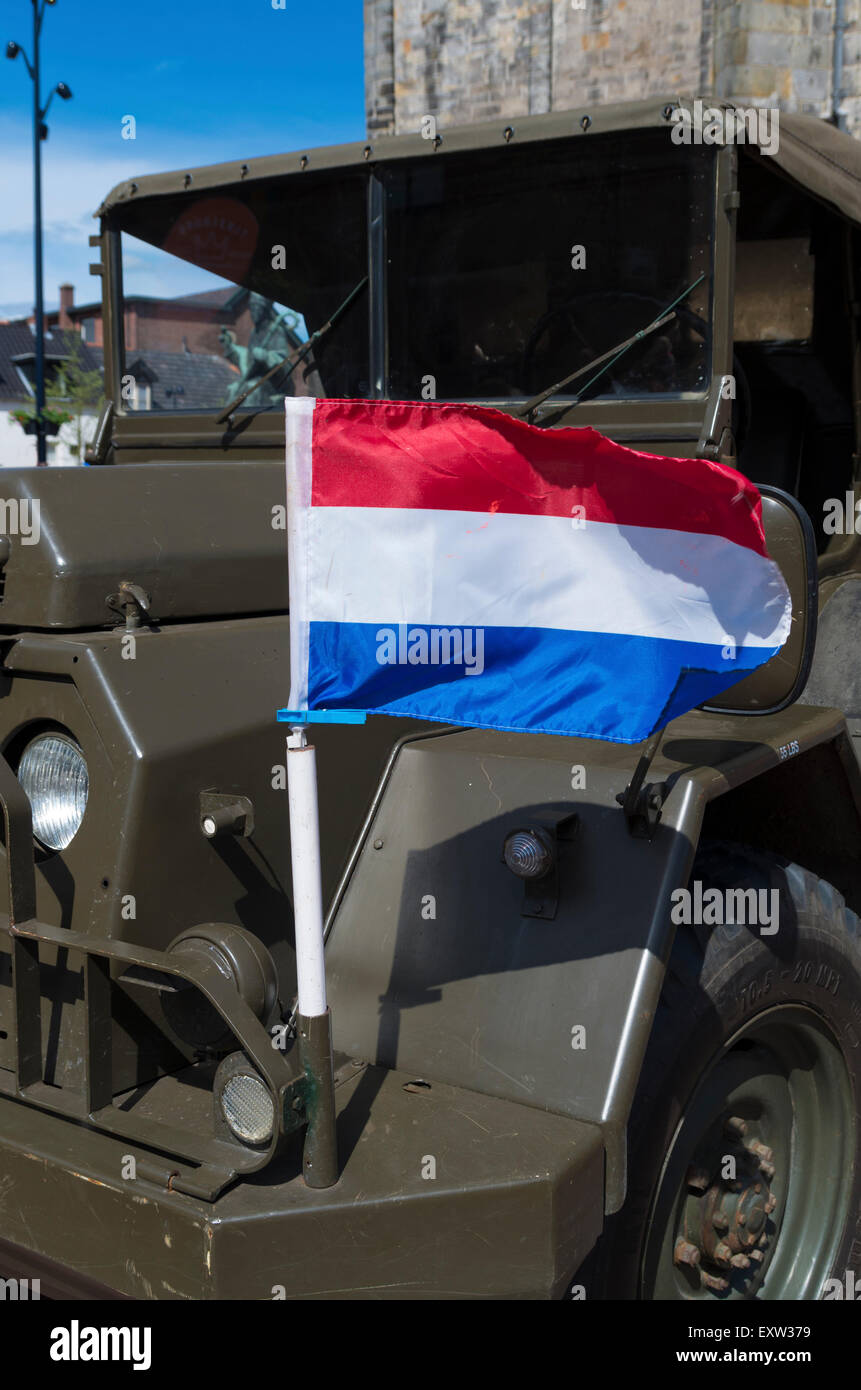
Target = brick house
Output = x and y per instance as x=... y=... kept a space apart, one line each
x=172 y=351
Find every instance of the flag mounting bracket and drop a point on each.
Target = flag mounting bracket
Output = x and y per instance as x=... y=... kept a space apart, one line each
x=321 y=716
x=642 y=801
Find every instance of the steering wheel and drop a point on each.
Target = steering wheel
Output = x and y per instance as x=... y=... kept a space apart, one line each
x=570 y=311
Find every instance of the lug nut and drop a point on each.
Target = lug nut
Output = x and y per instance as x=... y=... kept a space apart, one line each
x=736 y=1126
x=719 y=1221
x=716 y=1284
x=685 y=1253
x=771 y=1203
x=723 y=1254
x=760 y=1150
x=767 y=1169
x=740 y=1262
x=757 y=1255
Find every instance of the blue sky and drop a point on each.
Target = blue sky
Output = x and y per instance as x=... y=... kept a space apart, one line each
x=204 y=79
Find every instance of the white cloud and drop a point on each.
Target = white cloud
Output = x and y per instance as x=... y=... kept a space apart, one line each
x=80 y=167
x=75 y=178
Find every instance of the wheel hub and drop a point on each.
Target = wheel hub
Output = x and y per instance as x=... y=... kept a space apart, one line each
x=725 y=1219
x=754 y=1197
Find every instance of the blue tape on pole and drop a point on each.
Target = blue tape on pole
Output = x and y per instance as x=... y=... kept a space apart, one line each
x=321 y=716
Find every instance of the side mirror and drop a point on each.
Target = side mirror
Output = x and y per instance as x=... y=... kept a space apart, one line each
x=792 y=545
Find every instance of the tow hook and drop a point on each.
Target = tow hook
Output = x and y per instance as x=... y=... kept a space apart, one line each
x=133 y=602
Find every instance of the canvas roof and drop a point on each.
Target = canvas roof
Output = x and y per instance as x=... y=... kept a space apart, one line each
x=814 y=154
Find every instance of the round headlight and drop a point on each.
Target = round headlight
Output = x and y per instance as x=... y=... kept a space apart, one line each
x=248 y=1109
x=54 y=775
x=528 y=853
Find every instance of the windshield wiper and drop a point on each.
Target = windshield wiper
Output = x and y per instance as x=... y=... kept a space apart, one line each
x=292 y=360
x=606 y=360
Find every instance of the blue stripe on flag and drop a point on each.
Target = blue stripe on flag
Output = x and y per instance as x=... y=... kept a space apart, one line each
x=539 y=680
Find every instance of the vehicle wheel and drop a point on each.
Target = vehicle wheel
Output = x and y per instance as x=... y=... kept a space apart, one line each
x=744 y=1160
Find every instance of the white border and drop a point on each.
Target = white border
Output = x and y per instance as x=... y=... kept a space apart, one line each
x=299 y=422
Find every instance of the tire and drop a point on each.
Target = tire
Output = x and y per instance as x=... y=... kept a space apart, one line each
x=756 y=1042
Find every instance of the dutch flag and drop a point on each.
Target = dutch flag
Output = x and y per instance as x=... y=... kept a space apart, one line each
x=449 y=562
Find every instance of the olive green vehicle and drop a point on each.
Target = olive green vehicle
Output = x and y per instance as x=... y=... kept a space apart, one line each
x=546 y=1087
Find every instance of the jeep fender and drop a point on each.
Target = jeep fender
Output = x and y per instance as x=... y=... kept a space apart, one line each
x=442 y=963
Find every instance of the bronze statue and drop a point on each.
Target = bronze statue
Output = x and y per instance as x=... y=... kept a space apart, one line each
x=272 y=340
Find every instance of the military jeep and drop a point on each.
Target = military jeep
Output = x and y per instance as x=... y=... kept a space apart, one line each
x=585 y=1084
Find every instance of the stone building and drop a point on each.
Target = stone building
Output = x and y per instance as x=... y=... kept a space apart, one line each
x=474 y=60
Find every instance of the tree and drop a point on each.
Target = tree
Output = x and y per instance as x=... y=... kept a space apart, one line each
x=79 y=388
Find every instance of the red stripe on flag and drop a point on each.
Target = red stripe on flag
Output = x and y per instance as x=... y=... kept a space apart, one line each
x=472 y=459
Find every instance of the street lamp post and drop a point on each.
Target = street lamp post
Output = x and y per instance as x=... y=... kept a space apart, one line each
x=40 y=133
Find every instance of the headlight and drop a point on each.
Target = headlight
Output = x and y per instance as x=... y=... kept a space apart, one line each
x=247 y=1107
x=54 y=775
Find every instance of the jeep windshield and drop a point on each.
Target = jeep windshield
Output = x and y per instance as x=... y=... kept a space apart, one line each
x=492 y=275
x=220 y=288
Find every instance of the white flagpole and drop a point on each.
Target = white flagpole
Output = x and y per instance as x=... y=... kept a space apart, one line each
x=320 y=1157
x=305 y=857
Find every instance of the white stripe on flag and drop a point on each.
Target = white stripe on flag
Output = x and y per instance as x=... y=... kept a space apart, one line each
x=389 y=565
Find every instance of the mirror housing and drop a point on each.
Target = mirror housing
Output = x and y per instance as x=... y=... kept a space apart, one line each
x=792 y=545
